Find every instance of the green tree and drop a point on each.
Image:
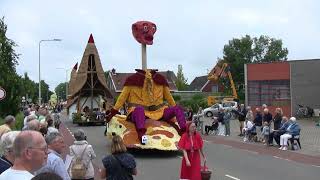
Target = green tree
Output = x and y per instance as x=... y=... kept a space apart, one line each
x=181 y=82
x=29 y=88
x=61 y=90
x=9 y=80
x=196 y=101
x=45 y=91
x=251 y=50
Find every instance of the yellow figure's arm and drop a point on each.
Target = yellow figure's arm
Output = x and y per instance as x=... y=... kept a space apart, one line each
x=122 y=98
x=168 y=96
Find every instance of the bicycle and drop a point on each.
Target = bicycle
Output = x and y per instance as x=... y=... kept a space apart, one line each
x=304 y=112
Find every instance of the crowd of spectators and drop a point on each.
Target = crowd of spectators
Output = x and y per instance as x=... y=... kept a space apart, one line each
x=257 y=126
x=38 y=151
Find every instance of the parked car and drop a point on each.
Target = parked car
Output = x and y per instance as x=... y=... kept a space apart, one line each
x=214 y=109
x=230 y=105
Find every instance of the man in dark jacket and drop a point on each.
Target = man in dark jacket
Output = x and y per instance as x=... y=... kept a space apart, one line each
x=258 y=122
x=267 y=116
x=242 y=112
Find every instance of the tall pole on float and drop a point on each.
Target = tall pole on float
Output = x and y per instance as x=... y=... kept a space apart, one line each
x=144 y=56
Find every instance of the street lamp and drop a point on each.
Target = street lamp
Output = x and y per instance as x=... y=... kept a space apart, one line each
x=40 y=66
x=66 y=81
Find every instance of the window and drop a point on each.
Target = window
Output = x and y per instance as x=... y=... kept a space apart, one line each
x=274 y=92
x=214 y=88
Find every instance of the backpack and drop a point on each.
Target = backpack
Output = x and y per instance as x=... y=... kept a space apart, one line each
x=78 y=167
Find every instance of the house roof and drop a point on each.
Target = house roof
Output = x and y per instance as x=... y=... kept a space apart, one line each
x=198 y=83
x=118 y=79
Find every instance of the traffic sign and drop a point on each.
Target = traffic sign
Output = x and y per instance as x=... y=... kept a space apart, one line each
x=2 y=93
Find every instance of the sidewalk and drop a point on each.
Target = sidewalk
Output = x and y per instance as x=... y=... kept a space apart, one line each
x=309 y=138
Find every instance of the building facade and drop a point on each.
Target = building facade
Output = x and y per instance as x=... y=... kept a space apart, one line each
x=283 y=84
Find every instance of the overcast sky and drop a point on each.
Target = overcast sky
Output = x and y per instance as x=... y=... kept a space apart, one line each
x=189 y=32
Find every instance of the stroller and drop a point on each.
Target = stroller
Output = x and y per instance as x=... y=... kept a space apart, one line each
x=213 y=128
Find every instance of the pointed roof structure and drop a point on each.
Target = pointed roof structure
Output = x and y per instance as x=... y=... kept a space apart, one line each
x=73 y=78
x=91 y=40
x=90 y=74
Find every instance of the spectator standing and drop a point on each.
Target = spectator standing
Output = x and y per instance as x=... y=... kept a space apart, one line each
x=267 y=116
x=26 y=113
x=7 y=158
x=249 y=115
x=30 y=152
x=242 y=112
x=277 y=118
x=265 y=133
x=227 y=117
x=51 y=128
x=258 y=123
x=264 y=106
x=80 y=148
x=33 y=125
x=9 y=122
x=55 y=163
x=29 y=118
x=198 y=118
x=191 y=144
x=221 y=127
x=120 y=165
x=189 y=114
x=277 y=122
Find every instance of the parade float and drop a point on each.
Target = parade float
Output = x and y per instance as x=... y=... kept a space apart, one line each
x=88 y=89
x=154 y=121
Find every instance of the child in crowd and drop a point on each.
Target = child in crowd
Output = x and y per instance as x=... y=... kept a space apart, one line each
x=265 y=132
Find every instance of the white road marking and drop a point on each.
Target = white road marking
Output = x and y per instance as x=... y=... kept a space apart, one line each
x=277 y=157
x=179 y=157
x=253 y=152
x=315 y=166
x=70 y=132
x=227 y=175
x=227 y=146
x=282 y=158
x=206 y=141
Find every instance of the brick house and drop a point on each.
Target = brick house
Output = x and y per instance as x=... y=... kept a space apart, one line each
x=202 y=84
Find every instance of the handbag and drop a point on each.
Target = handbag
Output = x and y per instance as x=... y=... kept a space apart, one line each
x=205 y=172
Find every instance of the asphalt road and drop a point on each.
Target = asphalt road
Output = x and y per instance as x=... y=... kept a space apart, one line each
x=227 y=162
